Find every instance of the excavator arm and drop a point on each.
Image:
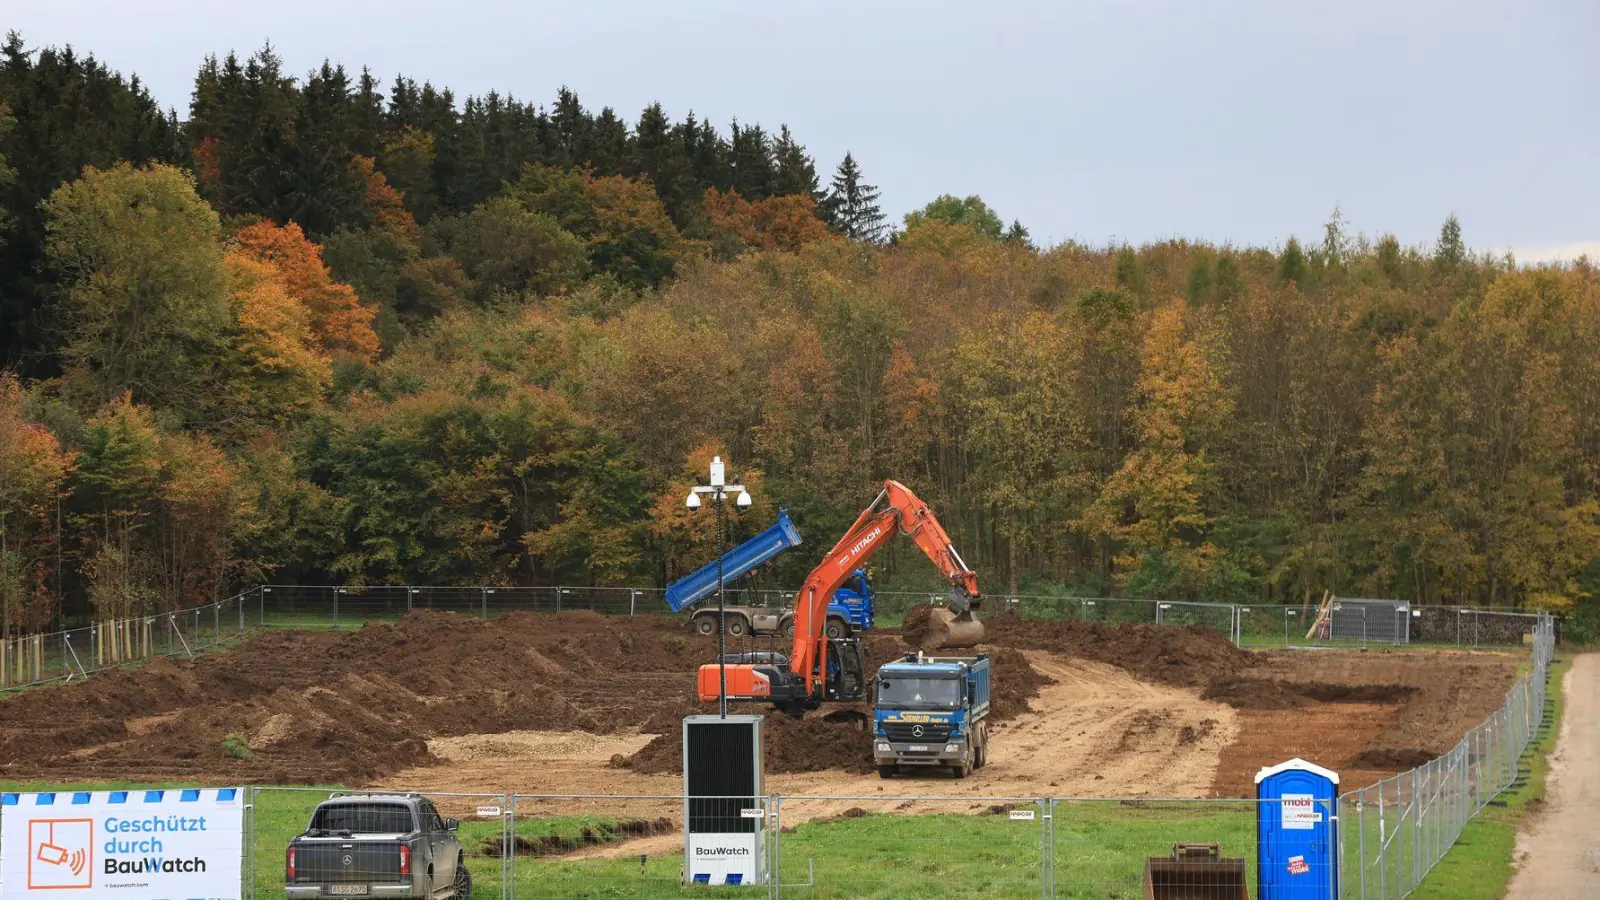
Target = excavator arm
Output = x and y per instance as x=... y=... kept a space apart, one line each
x=895 y=510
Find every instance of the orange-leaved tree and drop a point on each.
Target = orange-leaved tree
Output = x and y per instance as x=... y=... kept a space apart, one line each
x=33 y=472
x=773 y=223
x=339 y=323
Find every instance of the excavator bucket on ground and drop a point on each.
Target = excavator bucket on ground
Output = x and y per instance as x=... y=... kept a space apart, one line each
x=945 y=630
x=1195 y=872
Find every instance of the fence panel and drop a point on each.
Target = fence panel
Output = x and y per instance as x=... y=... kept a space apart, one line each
x=277 y=815
x=889 y=848
x=1104 y=849
x=1397 y=830
x=616 y=846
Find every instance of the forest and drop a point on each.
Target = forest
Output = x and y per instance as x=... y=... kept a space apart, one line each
x=322 y=329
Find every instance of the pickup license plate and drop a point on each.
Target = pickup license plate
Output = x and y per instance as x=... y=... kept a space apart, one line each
x=918 y=748
x=347 y=889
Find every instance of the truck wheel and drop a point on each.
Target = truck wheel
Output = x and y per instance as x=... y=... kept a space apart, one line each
x=705 y=625
x=461 y=889
x=737 y=626
x=888 y=771
x=981 y=755
x=837 y=629
x=961 y=769
x=788 y=629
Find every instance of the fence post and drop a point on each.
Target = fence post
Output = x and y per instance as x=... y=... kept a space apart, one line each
x=336 y=592
x=410 y=591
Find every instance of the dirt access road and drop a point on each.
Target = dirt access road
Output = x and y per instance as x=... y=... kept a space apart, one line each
x=1558 y=857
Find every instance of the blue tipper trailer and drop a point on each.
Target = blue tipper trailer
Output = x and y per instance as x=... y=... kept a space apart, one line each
x=1297 y=830
x=691 y=589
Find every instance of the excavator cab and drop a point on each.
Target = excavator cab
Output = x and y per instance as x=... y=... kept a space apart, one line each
x=847 y=679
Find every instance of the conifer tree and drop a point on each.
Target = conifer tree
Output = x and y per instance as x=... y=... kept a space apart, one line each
x=1450 y=251
x=751 y=155
x=851 y=206
x=794 y=172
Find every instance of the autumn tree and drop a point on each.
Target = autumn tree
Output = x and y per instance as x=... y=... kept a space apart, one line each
x=777 y=223
x=33 y=473
x=1155 y=506
x=970 y=211
x=143 y=291
x=340 y=324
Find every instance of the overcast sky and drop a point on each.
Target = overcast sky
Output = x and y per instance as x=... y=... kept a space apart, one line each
x=1089 y=119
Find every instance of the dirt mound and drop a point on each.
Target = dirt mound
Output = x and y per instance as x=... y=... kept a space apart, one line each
x=1267 y=693
x=1397 y=759
x=1187 y=656
x=914 y=624
x=321 y=707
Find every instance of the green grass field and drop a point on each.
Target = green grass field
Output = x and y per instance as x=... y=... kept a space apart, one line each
x=886 y=852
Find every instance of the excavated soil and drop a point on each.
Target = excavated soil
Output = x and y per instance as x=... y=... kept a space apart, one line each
x=594 y=701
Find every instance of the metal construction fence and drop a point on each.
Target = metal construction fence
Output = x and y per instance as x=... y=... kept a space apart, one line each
x=822 y=847
x=1396 y=830
x=77 y=652
x=63 y=655
x=1352 y=622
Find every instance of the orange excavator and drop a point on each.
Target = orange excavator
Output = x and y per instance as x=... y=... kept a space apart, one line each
x=821 y=669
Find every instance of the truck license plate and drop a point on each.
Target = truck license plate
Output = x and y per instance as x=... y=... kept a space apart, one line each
x=348 y=889
x=918 y=748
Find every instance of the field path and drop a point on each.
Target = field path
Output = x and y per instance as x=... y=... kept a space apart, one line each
x=1558 y=853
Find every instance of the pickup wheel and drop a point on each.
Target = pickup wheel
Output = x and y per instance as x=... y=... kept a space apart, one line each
x=737 y=626
x=888 y=771
x=837 y=628
x=705 y=625
x=461 y=888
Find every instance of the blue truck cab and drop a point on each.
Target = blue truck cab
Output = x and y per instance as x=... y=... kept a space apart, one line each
x=931 y=712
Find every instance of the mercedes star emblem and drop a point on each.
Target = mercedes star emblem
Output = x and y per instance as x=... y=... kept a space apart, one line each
x=916 y=731
x=348 y=859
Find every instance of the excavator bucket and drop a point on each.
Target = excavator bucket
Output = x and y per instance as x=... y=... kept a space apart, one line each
x=946 y=630
x=1195 y=872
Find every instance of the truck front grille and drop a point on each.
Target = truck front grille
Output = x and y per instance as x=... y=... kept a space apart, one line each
x=905 y=732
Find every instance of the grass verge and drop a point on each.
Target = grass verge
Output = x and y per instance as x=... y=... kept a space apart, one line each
x=1479 y=866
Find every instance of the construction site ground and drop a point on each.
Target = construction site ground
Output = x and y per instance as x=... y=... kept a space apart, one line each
x=578 y=703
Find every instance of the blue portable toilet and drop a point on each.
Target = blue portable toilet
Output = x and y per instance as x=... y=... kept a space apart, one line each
x=1297 y=832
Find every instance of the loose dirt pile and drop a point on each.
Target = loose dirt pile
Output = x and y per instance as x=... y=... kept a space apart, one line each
x=349 y=706
x=357 y=706
x=1192 y=656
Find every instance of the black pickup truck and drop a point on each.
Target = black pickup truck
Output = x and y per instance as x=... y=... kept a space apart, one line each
x=391 y=846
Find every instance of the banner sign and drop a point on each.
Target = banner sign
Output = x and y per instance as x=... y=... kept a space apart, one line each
x=725 y=858
x=122 y=845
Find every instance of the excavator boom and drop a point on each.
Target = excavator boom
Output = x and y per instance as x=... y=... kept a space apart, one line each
x=812 y=675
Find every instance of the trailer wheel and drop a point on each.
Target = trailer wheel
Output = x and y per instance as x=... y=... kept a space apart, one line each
x=737 y=626
x=705 y=625
x=837 y=628
x=888 y=771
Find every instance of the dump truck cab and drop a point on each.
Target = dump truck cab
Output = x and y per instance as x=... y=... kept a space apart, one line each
x=931 y=711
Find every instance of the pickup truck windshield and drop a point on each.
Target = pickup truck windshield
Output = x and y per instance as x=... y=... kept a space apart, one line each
x=364 y=818
x=919 y=693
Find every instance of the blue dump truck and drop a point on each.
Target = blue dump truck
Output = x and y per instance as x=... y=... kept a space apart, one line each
x=850 y=610
x=931 y=711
